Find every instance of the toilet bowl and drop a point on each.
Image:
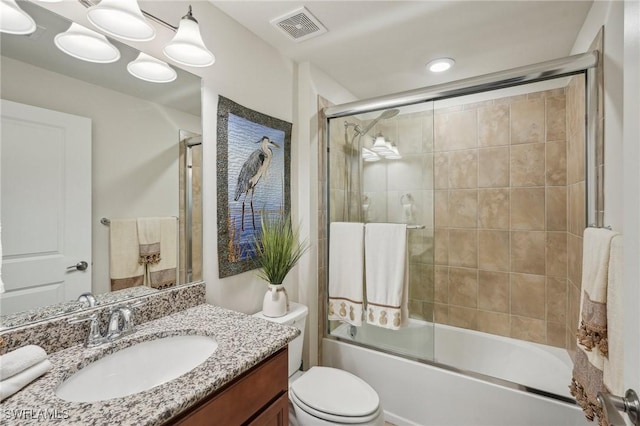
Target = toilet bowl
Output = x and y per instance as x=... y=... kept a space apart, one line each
x=325 y=395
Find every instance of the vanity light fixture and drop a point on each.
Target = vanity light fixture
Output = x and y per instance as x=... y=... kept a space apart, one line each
x=393 y=153
x=380 y=144
x=14 y=20
x=87 y=45
x=121 y=18
x=440 y=64
x=187 y=47
x=148 y=68
x=369 y=156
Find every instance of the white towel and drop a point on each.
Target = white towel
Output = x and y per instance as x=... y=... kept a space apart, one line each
x=14 y=383
x=612 y=373
x=163 y=274
x=346 y=274
x=1 y=282
x=387 y=274
x=592 y=348
x=124 y=269
x=20 y=359
x=149 y=239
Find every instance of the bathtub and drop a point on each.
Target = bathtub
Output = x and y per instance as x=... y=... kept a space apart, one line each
x=418 y=393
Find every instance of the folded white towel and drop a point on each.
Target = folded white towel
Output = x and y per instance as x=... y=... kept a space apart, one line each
x=163 y=274
x=346 y=272
x=387 y=274
x=149 y=244
x=124 y=269
x=20 y=359
x=612 y=373
x=16 y=382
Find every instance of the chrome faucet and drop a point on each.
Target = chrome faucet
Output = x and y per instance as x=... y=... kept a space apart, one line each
x=121 y=323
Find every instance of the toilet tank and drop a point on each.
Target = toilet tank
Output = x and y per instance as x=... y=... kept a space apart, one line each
x=296 y=317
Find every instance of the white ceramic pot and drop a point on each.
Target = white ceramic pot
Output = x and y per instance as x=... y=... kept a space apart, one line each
x=275 y=301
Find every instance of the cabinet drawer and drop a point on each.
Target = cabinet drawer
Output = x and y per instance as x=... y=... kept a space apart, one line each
x=245 y=398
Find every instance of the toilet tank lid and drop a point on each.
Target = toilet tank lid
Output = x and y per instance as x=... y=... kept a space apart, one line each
x=296 y=311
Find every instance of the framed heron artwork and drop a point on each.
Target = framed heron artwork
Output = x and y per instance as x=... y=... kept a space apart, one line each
x=253 y=170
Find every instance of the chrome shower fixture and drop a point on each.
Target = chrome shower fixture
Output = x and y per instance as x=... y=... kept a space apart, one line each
x=387 y=114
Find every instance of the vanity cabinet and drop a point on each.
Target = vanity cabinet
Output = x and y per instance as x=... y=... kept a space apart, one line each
x=257 y=398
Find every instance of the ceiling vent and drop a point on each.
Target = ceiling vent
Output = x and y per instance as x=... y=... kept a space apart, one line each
x=299 y=25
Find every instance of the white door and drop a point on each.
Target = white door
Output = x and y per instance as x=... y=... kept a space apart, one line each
x=46 y=206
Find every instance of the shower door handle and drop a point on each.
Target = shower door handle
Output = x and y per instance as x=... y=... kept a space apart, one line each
x=611 y=404
x=80 y=266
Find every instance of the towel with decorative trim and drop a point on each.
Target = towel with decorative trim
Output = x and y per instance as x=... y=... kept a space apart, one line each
x=346 y=272
x=148 y=240
x=387 y=274
x=163 y=273
x=587 y=379
x=124 y=269
x=613 y=369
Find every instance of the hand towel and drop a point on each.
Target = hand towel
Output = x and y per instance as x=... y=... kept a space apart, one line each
x=387 y=274
x=612 y=373
x=163 y=274
x=346 y=272
x=20 y=359
x=14 y=383
x=592 y=346
x=124 y=269
x=149 y=240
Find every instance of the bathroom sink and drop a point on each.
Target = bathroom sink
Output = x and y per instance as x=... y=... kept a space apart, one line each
x=137 y=368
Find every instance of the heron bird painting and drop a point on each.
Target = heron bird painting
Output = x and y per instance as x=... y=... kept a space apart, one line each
x=253 y=169
x=253 y=181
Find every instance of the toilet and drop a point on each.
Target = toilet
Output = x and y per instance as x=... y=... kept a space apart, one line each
x=325 y=395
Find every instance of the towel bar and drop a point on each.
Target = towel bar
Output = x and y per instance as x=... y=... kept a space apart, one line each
x=593 y=225
x=629 y=404
x=107 y=222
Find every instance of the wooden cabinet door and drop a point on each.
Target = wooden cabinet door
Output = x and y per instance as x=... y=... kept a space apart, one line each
x=277 y=414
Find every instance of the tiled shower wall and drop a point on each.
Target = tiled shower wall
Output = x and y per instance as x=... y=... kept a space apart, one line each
x=501 y=216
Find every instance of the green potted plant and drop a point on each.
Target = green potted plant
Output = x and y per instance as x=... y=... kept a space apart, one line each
x=279 y=248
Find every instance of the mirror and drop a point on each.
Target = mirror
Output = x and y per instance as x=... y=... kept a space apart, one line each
x=135 y=164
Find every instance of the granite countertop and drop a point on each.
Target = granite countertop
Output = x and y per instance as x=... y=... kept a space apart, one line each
x=243 y=341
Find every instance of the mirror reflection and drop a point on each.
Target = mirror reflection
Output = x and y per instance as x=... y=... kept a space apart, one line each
x=84 y=145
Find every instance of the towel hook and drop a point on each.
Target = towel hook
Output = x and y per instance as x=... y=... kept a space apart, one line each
x=408 y=197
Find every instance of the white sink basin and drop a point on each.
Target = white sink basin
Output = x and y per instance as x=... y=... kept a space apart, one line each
x=137 y=368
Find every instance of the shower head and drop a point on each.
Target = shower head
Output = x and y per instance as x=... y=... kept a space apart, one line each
x=386 y=114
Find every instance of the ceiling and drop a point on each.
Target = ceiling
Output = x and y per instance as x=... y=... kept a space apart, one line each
x=375 y=48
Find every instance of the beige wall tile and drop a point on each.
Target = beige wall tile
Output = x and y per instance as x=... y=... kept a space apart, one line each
x=441 y=313
x=493 y=167
x=532 y=330
x=421 y=281
x=456 y=130
x=441 y=284
x=463 y=287
x=441 y=208
x=493 y=125
x=527 y=209
x=527 y=165
x=556 y=254
x=527 y=121
x=556 y=208
x=441 y=170
x=493 y=208
x=556 y=118
x=493 y=291
x=441 y=246
x=415 y=309
x=556 y=163
x=493 y=250
x=463 y=317
x=577 y=209
x=557 y=299
x=494 y=323
x=528 y=252
x=463 y=248
x=556 y=335
x=410 y=134
x=463 y=169
x=528 y=295
x=574 y=309
x=574 y=259
x=463 y=208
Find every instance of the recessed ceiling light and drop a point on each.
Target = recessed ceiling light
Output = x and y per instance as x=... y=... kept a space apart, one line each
x=440 y=64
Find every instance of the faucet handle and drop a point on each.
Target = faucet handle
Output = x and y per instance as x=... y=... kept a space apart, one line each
x=94 y=335
x=89 y=298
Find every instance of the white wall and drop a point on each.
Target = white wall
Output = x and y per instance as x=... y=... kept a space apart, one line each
x=134 y=148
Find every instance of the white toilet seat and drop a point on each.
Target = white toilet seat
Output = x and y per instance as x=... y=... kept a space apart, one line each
x=335 y=396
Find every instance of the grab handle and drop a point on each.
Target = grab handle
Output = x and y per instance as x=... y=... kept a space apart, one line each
x=611 y=404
